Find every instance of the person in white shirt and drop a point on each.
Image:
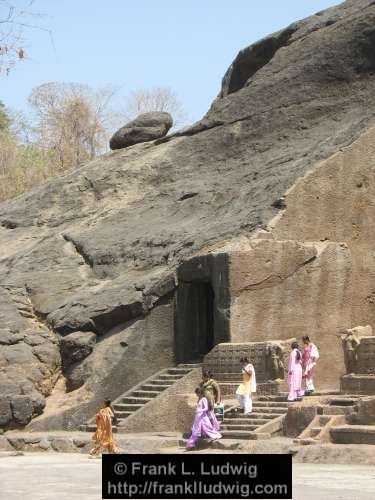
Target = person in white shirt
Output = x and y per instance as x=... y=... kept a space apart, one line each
x=247 y=387
x=310 y=356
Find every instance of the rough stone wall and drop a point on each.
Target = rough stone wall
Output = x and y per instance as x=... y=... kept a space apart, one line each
x=366 y=356
x=124 y=357
x=29 y=358
x=336 y=202
x=94 y=245
x=224 y=360
x=284 y=289
x=173 y=410
x=312 y=271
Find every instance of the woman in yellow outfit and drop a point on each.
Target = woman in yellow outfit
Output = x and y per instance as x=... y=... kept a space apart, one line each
x=248 y=386
x=103 y=435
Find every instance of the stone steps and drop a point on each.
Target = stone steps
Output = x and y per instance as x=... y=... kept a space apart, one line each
x=271 y=409
x=169 y=378
x=158 y=388
x=324 y=419
x=239 y=427
x=343 y=401
x=236 y=434
x=146 y=394
x=328 y=416
x=266 y=412
x=159 y=382
x=279 y=397
x=263 y=407
x=135 y=399
x=178 y=371
x=92 y=428
x=123 y=414
x=261 y=415
x=314 y=431
x=271 y=404
x=248 y=421
x=335 y=410
x=127 y=406
x=228 y=388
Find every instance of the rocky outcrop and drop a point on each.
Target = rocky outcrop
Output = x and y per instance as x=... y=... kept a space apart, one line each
x=76 y=346
x=29 y=359
x=146 y=127
x=97 y=248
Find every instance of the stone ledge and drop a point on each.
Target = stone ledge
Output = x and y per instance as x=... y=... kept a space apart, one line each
x=358 y=384
x=81 y=442
x=353 y=434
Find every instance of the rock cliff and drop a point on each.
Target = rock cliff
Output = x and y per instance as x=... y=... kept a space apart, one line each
x=96 y=250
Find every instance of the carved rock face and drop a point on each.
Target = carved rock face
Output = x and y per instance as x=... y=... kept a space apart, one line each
x=97 y=246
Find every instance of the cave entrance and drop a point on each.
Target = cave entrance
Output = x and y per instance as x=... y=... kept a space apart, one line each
x=194 y=329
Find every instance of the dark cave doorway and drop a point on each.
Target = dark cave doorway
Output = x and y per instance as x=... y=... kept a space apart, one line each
x=194 y=321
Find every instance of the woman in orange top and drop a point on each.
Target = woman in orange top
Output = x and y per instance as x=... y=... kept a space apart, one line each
x=103 y=435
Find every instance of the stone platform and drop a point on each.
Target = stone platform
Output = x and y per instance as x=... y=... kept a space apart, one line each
x=353 y=434
x=358 y=383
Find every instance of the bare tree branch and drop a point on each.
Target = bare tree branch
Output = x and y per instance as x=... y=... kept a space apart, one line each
x=16 y=21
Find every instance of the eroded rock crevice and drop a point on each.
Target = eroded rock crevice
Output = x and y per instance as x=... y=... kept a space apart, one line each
x=250 y=60
x=79 y=249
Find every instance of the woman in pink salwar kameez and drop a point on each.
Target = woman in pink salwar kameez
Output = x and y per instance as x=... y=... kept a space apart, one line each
x=203 y=426
x=295 y=374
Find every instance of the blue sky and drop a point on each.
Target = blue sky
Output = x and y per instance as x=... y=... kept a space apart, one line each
x=185 y=45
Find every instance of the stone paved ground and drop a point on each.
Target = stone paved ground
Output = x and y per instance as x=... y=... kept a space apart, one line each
x=63 y=476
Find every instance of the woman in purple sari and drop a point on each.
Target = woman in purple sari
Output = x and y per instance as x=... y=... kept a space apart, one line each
x=202 y=426
x=295 y=374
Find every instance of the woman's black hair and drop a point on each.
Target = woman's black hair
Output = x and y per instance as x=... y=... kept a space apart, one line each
x=296 y=346
x=206 y=373
x=244 y=360
x=306 y=338
x=108 y=402
x=198 y=391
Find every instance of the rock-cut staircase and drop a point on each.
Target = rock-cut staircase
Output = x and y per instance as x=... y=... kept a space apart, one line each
x=329 y=415
x=264 y=421
x=138 y=396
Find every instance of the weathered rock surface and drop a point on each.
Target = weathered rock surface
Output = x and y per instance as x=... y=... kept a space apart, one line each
x=95 y=250
x=29 y=359
x=365 y=414
x=81 y=442
x=146 y=127
x=76 y=346
x=297 y=419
